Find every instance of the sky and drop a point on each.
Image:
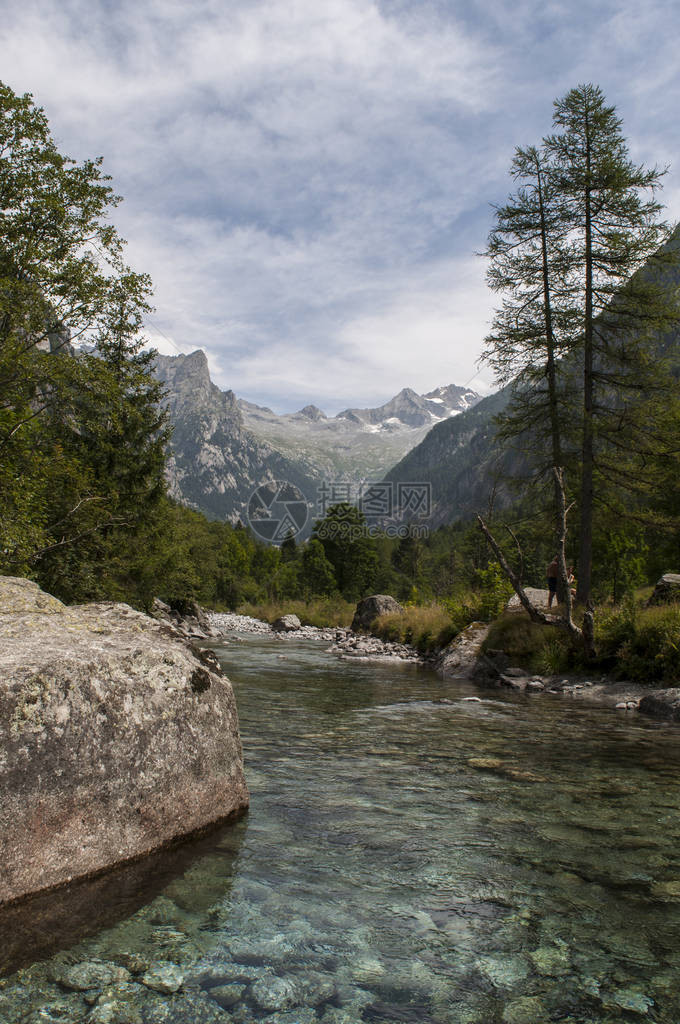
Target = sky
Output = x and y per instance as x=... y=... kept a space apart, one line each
x=309 y=183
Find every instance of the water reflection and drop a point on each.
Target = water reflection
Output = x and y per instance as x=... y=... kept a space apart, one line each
x=37 y=928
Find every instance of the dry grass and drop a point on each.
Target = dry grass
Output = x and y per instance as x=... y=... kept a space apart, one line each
x=427 y=627
x=329 y=611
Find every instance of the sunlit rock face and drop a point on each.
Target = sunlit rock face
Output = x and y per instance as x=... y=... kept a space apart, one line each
x=116 y=737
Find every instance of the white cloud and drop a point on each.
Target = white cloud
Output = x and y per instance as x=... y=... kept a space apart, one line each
x=306 y=182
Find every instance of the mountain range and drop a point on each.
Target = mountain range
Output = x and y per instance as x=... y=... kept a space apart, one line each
x=224 y=448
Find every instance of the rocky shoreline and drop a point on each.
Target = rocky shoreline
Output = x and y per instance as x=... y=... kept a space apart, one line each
x=462 y=660
x=344 y=643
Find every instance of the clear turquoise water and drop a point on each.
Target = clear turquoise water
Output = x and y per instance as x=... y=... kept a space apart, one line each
x=509 y=861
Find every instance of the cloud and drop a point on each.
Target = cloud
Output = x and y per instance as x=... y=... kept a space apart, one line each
x=307 y=183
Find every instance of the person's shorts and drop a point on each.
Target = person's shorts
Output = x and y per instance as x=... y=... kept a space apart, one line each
x=552 y=584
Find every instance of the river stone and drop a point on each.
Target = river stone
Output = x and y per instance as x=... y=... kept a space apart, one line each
x=286 y=624
x=371 y=608
x=628 y=999
x=227 y=995
x=164 y=977
x=183 y=1009
x=662 y=704
x=551 y=961
x=315 y=989
x=119 y=1005
x=116 y=737
x=304 y=1015
x=274 y=993
x=92 y=975
x=503 y=971
x=527 y=1010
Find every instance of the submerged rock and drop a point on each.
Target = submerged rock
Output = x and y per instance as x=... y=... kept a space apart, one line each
x=116 y=737
x=92 y=975
x=274 y=993
x=164 y=977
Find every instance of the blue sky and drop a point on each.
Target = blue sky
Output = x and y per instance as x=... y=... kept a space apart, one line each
x=308 y=183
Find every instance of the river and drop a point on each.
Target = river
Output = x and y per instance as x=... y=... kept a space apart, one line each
x=410 y=855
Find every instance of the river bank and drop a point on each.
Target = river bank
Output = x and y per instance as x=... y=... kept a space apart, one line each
x=464 y=660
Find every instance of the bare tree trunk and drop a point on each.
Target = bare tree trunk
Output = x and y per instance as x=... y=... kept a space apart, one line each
x=534 y=614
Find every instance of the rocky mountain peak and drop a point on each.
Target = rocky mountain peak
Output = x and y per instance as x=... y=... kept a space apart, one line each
x=312 y=412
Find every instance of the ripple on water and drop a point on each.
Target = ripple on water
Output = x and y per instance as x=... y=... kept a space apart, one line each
x=405 y=859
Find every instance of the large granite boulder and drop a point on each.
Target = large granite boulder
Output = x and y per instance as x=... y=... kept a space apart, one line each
x=371 y=608
x=459 y=658
x=667 y=589
x=286 y=624
x=116 y=737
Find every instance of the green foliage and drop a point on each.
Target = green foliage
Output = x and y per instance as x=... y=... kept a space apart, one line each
x=579 y=254
x=81 y=437
x=349 y=548
x=641 y=643
x=530 y=645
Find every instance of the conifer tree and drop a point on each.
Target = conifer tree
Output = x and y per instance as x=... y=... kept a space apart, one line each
x=610 y=207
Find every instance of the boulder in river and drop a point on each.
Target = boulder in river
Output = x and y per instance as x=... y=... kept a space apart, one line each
x=286 y=624
x=371 y=608
x=116 y=738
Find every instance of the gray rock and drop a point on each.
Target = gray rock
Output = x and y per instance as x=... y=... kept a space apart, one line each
x=662 y=704
x=667 y=590
x=116 y=717
x=513 y=680
x=274 y=993
x=227 y=995
x=92 y=974
x=286 y=624
x=458 y=659
x=164 y=977
x=183 y=1009
x=371 y=608
x=315 y=989
x=303 y=1015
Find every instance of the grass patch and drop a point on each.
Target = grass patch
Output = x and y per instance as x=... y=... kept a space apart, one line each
x=426 y=627
x=321 y=612
x=542 y=649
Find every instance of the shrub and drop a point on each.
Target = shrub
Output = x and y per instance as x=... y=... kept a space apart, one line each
x=530 y=645
x=426 y=627
x=641 y=643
